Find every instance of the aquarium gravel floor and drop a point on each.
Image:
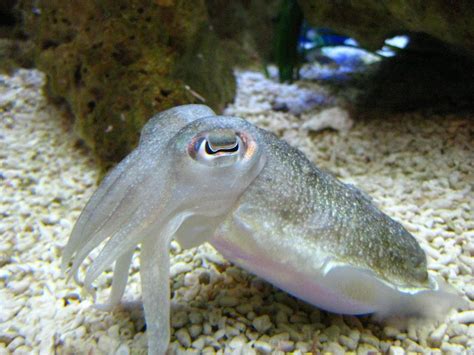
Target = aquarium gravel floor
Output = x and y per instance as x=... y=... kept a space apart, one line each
x=418 y=170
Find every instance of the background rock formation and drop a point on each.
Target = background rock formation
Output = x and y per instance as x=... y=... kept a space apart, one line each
x=371 y=22
x=116 y=63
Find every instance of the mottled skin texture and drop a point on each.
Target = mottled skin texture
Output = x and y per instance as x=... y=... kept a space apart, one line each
x=308 y=207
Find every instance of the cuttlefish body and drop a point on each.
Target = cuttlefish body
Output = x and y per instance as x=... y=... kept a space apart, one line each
x=198 y=177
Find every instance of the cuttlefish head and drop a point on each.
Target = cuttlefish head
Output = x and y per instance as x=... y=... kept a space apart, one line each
x=188 y=171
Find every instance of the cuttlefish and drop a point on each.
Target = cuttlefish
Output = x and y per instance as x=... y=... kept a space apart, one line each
x=197 y=177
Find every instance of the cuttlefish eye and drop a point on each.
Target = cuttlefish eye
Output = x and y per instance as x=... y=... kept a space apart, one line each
x=217 y=148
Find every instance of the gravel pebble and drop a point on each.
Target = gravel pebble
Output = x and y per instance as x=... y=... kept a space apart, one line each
x=438 y=334
x=183 y=337
x=349 y=343
x=262 y=346
x=199 y=343
x=466 y=317
x=123 y=349
x=228 y=301
x=262 y=323
x=396 y=350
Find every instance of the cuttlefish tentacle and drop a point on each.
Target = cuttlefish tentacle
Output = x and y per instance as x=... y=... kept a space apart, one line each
x=198 y=177
x=119 y=281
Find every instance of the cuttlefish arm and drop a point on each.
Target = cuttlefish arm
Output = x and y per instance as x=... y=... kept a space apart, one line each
x=198 y=177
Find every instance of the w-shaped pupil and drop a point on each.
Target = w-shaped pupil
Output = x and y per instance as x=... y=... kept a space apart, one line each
x=215 y=150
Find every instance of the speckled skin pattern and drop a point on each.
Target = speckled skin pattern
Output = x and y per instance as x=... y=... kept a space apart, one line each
x=306 y=211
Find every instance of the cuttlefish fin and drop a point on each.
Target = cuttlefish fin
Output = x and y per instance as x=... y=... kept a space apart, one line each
x=363 y=291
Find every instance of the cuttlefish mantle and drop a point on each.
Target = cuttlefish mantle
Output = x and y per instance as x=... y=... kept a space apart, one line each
x=198 y=177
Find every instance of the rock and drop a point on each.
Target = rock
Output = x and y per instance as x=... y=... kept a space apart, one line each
x=107 y=344
x=334 y=348
x=371 y=22
x=179 y=319
x=195 y=318
x=195 y=330
x=123 y=349
x=183 y=337
x=391 y=332
x=228 y=301
x=199 y=343
x=334 y=117
x=464 y=317
x=396 y=350
x=262 y=346
x=452 y=348
x=437 y=335
x=179 y=268
x=262 y=323
x=349 y=343
x=118 y=63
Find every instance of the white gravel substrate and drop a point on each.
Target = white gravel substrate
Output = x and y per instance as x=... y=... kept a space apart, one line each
x=420 y=171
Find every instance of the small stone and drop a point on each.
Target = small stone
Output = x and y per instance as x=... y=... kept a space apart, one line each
x=179 y=319
x=469 y=289
x=228 y=301
x=470 y=331
x=195 y=318
x=262 y=323
x=113 y=331
x=219 y=334
x=332 y=332
x=396 y=350
x=50 y=219
x=410 y=345
x=107 y=344
x=183 y=337
x=349 y=343
x=391 y=332
x=286 y=345
x=18 y=287
x=262 y=346
x=437 y=335
x=367 y=349
x=464 y=317
x=452 y=348
x=237 y=343
x=457 y=329
x=303 y=346
x=22 y=349
x=199 y=343
x=179 y=268
x=459 y=339
x=334 y=348
x=276 y=339
x=384 y=346
x=370 y=339
x=231 y=331
x=15 y=343
x=244 y=308
x=208 y=350
x=195 y=330
x=281 y=317
x=123 y=349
